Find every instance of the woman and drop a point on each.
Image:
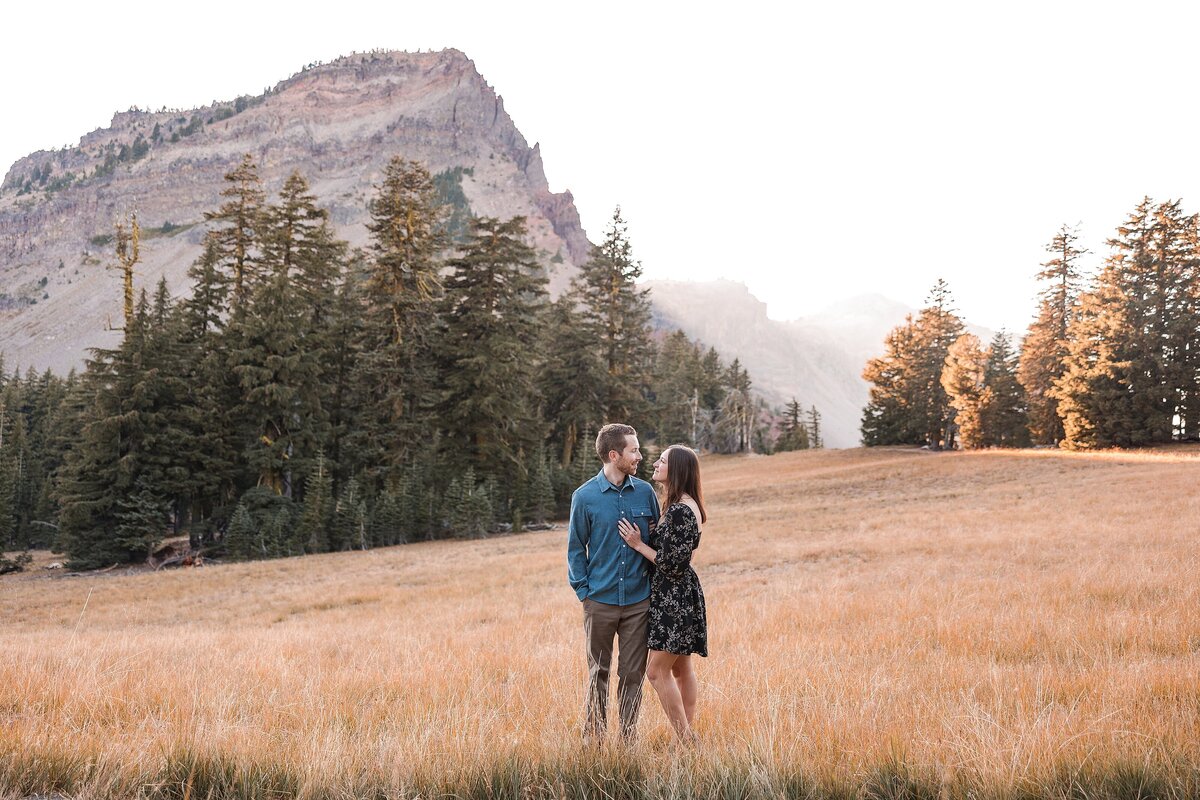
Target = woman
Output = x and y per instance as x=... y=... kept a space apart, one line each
x=678 y=627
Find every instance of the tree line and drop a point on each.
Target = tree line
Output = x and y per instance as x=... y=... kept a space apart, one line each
x=1110 y=361
x=306 y=397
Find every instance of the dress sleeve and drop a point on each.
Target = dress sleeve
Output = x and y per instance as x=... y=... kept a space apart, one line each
x=676 y=541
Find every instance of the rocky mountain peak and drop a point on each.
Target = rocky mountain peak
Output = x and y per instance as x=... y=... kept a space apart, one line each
x=337 y=123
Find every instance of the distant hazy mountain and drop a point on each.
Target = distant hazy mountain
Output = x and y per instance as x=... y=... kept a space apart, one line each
x=817 y=359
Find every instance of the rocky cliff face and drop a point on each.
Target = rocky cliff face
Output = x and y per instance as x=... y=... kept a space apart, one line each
x=338 y=124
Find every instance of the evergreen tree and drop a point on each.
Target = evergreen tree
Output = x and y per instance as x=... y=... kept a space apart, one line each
x=317 y=514
x=540 y=501
x=349 y=530
x=584 y=464
x=493 y=299
x=676 y=391
x=570 y=380
x=468 y=506
x=1045 y=345
x=616 y=313
x=1131 y=371
x=794 y=433
x=280 y=385
x=104 y=469
x=395 y=381
x=908 y=403
x=8 y=501
x=963 y=381
x=738 y=418
x=888 y=417
x=1092 y=393
x=814 y=429
x=240 y=536
x=388 y=521
x=937 y=328
x=343 y=338
x=237 y=239
x=1005 y=415
x=142 y=519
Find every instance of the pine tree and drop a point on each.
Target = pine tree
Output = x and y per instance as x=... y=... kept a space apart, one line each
x=570 y=380
x=1131 y=371
x=1092 y=393
x=540 y=501
x=889 y=417
x=349 y=529
x=937 y=328
x=1045 y=345
x=317 y=514
x=738 y=417
x=14 y=455
x=240 y=536
x=388 y=521
x=676 y=390
x=468 y=506
x=584 y=463
x=208 y=444
x=103 y=469
x=238 y=238
x=204 y=309
x=1005 y=415
x=963 y=381
x=8 y=501
x=395 y=380
x=908 y=403
x=279 y=380
x=814 y=429
x=493 y=299
x=794 y=433
x=142 y=519
x=616 y=313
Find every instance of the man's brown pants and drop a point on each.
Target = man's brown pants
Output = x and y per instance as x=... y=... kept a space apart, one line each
x=601 y=622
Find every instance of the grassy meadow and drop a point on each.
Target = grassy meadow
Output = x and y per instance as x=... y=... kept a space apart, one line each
x=883 y=623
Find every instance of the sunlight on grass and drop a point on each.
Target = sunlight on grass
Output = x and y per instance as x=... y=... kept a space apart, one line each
x=885 y=623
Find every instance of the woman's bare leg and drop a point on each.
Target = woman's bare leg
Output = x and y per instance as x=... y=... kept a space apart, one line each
x=659 y=671
x=685 y=679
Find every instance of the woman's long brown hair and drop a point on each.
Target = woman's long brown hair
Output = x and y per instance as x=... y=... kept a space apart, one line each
x=683 y=477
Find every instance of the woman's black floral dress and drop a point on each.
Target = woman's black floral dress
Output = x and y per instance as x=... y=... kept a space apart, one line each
x=677 y=620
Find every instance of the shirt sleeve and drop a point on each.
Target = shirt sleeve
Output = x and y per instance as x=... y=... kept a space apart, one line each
x=578 y=534
x=675 y=544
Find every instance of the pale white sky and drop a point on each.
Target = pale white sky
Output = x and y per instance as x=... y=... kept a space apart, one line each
x=812 y=150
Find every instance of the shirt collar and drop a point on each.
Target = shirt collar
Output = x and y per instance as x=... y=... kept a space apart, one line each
x=605 y=484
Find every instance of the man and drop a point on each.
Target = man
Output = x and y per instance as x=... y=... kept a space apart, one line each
x=611 y=579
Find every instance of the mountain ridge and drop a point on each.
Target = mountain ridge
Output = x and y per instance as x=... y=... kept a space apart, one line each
x=338 y=123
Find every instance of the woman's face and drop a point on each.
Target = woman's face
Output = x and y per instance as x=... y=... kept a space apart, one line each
x=660 y=467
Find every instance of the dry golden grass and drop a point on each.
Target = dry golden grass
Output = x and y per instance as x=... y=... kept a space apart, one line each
x=883 y=623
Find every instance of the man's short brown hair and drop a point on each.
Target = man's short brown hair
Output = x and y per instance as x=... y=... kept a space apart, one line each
x=612 y=437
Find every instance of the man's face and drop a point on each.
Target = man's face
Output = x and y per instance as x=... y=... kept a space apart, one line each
x=628 y=459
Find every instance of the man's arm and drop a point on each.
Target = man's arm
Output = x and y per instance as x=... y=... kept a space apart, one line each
x=578 y=534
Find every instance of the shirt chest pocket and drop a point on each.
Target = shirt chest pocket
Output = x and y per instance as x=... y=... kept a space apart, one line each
x=643 y=518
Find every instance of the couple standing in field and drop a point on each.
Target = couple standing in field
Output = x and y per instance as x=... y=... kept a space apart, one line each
x=630 y=566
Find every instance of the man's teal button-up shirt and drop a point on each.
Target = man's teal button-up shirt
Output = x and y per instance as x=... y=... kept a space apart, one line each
x=599 y=563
